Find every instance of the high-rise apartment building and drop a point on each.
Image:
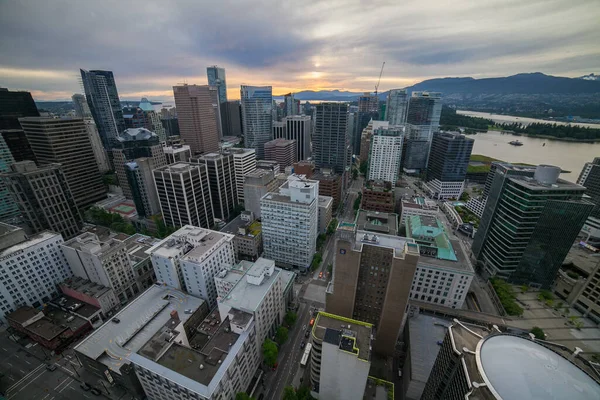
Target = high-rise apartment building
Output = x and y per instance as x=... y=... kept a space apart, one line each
x=281 y=150
x=365 y=137
x=425 y=109
x=396 y=106
x=416 y=148
x=197 y=116
x=256 y=184
x=44 y=198
x=190 y=258
x=104 y=104
x=256 y=102
x=330 y=140
x=299 y=128
x=385 y=153
x=184 y=195
x=372 y=277
x=467 y=366
x=8 y=207
x=137 y=152
x=290 y=222
x=231 y=119
x=449 y=157
x=221 y=178
x=216 y=78
x=340 y=356
x=15 y=105
x=517 y=237
x=244 y=162
x=66 y=142
x=82 y=110
x=102 y=258
x=97 y=148
x=31 y=268
x=291 y=105
x=368 y=109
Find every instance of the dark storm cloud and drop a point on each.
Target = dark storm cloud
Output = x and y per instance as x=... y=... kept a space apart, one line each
x=151 y=45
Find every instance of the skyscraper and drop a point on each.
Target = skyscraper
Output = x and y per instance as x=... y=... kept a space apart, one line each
x=184 y=195
x=152 y=119
x=290 y=222
x=330 y=139
x=368 y=109
x=105 y=106
x=281 y=150
x=425 y=109
x=231 y=118
x=17 y=143
x=97 y=148
x=43 y=197
x=279 y=128
x=590 y=178
x=385 y=153
x=528 y=226
x=137 y=152
x=82 y=110
x=447 y=166
x=256 y=104
x=8 y=207
x=291 y=105
x=216 y=78
x=15 y=105
x=396 y=106
x=66 y=142
x=299 y=128
x=197 y=115
x=372 y=278
x=244 y=161
x=416 y=148
x=221 y=178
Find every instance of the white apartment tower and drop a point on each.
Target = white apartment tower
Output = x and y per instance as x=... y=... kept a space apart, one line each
x=290 y=222
x=190 y=258
x=386 y=153
x=244 y=162
x=30 y=268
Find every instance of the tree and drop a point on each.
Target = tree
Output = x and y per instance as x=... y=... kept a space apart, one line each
x=290 y=318
x=281 y=335
x=538 y=333
x=332 y=226
x=357 y=202
x=364 y=166
x=354 y=174
x=243 y=396
x=270 y=352
x=304 y=393
x=289 y=393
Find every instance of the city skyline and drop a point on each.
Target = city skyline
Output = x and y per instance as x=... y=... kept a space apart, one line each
x=291 y=49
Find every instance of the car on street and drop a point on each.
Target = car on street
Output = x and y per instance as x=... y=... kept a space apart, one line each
x=302 y=344
x=304 y=327
x=96 y=392
x=85 y=387
x=320 y=274
x=307 y=334
x=274 y=367
x=312 y=322
x=50 y=367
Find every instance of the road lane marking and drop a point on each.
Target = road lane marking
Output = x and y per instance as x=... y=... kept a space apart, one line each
x=24 y=378
x=86 y=395
x=31 y=381
x=4 y=349
x=67 y=385
x=21 y=371
x=9 y=364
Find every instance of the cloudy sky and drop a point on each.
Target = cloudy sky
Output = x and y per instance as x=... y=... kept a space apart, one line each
x=291 y=45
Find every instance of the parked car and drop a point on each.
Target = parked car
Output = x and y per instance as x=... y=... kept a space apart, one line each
x=50 y=367
x=96 y=392
x=307 y=334
x=116 y=320
x=302 y=344
x=274 y=367
x=85 y=387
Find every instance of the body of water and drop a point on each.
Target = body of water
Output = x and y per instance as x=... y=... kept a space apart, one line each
x=570 y=156
x=499 y=118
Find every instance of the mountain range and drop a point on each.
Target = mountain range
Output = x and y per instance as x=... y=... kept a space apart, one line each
x=535 y=83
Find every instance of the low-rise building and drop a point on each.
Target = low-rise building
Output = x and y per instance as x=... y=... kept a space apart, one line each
x=143 y=271
x=340 y=356
x=418 y=206
x=379 y=222
x=325 y=213
x=70 y=305
x=247 y=242
x=330 y=184
x=90 y=293
x=162 y=311
x=444 y=271
x=378 y=196
x=52 y=328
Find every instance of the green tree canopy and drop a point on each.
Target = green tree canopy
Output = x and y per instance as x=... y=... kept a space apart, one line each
x=270 y=352
x=289 y=393
x=282 y=335
x=538 y=333
x=290 y=318
x=243 y=396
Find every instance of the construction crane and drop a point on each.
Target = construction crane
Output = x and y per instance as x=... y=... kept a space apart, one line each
x=379 y=80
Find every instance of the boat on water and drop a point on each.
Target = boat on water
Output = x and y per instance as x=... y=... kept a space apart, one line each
x=516 y=143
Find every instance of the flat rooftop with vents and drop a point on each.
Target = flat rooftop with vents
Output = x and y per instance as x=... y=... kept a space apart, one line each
x=380 y=222
x=349 y=335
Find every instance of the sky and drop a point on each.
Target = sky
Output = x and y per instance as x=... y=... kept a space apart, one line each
x=291 y=45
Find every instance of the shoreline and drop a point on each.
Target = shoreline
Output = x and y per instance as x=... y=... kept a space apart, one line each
x=547 y=137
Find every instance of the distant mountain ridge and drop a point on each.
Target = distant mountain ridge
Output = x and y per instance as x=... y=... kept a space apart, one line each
x=525 y=84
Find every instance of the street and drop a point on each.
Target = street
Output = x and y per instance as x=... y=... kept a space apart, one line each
x=347 y=211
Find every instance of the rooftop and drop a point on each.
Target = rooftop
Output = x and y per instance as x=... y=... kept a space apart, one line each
x=325 y=201
x=582 y=258
x=179 y=168
x=32 y=241
x=77 y=306
x=532 y=184
x=253 y=228
x=538 y=369
x=189 y=240
x=348 y=334
x=180 y=148
x=398 y=243
x=375 y=221
x=250 y=291
x=420 y=203
x=135 y=134
x=433 y=240
x=137 y=245
x=139 y=320
x=86 y=287
x=424 y=332
x=279 y=142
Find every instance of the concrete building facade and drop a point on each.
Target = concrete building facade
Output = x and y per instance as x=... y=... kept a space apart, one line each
x=177 y=153
x=385 y=154
x=256 y=185
x=281 y=150
x=221 y=178
x=244 y=162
